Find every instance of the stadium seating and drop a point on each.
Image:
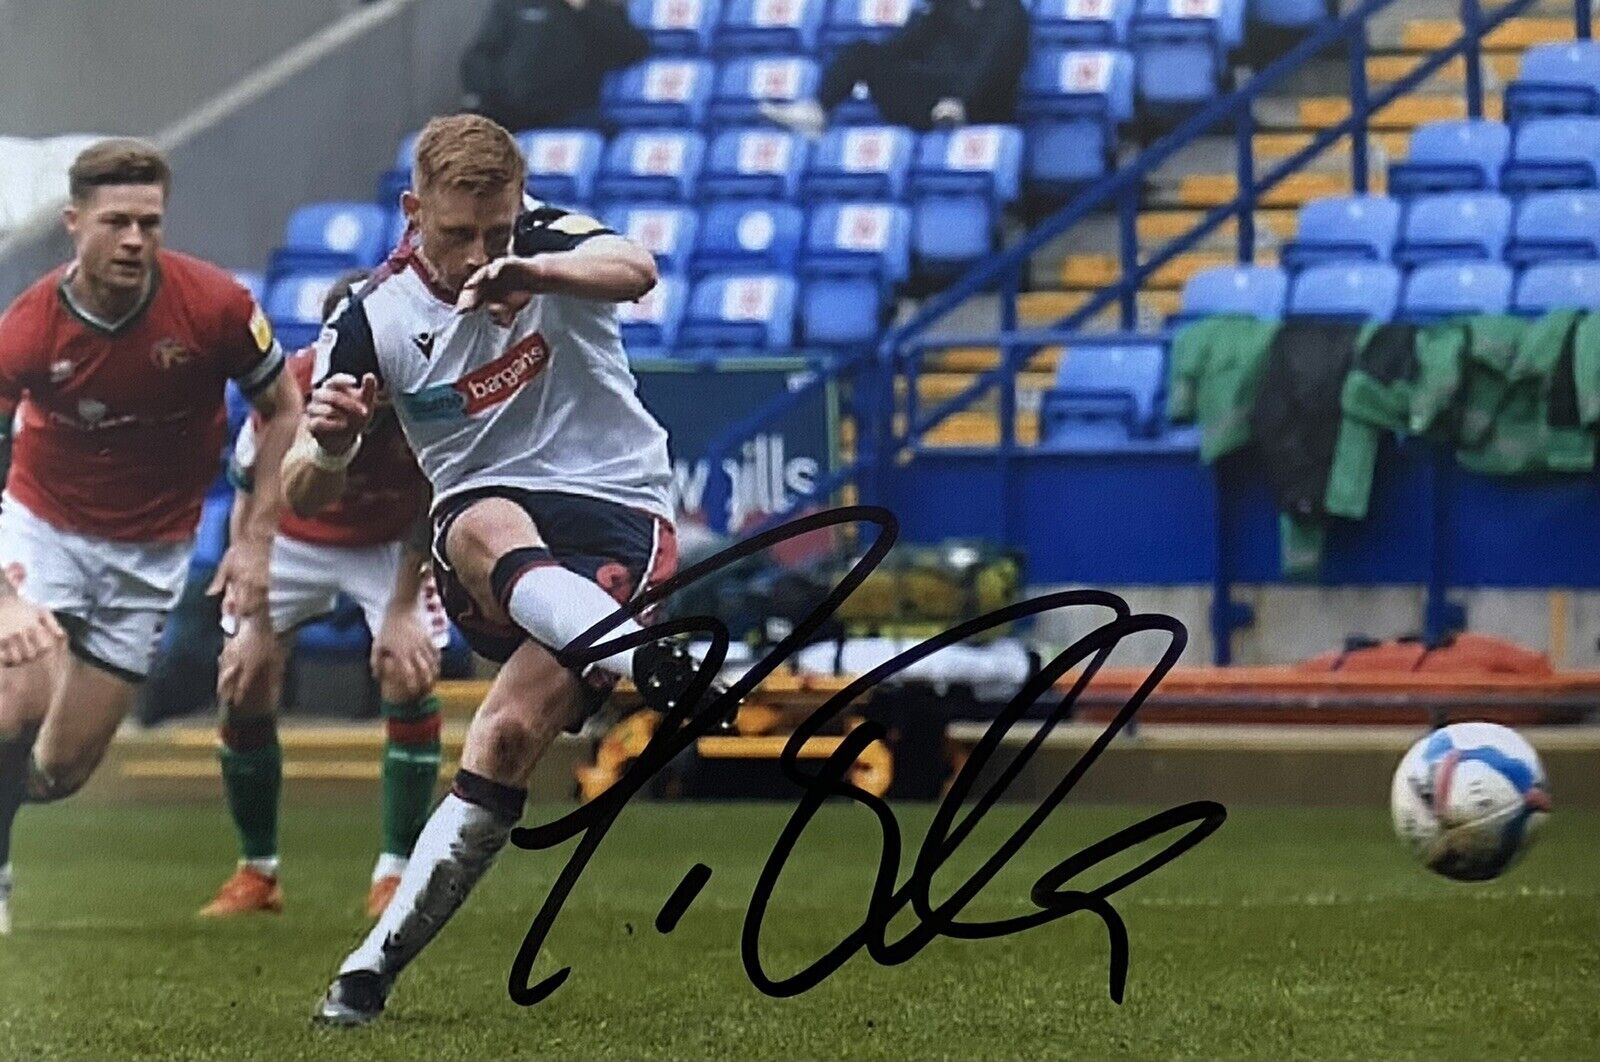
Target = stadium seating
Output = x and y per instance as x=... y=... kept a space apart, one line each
x=331 y=237
x=1554 y=285
x=745 y=83
x=1341 y=228
x=752 y=311
x=849 y=21
x=1105 y=394
x=1556 y=225
x=650 y=325
x=960 y=182
x=562 y=164
x=294 y=305
x=1363 y=290
x=1556 y=78
x=1288 y=14
x=664 y=92
x=1183 y=48
x=1448 y=289
x=1081 y=23
x=398 y=177
x=1452 y=156
x=1561 y=152
x=682 y=27
x=1455 y=225
x=754 y=163
x=651 y=164
x=868 y=162
x=1072 y=103
x=769 y=26
x=666 y=230
x=749 y=237
x=854 y=254
x=1258 y=291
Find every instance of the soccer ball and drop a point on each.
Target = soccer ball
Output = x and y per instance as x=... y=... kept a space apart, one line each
x=1468 y=798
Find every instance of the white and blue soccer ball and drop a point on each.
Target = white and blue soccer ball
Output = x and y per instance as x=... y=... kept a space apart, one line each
x=1468 y=798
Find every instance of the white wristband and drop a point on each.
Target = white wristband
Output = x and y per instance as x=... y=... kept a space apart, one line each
x=334 y=462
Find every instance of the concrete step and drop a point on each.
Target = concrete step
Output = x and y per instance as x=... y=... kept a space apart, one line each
x=1295 y=190
x=1159 y=226
x=1498 y=68
x=1405 y=113
x=1280 y=145
x=1092 y=271
x=941 y=386
x=980 y=429
x=982 y=359
x=1427 y=35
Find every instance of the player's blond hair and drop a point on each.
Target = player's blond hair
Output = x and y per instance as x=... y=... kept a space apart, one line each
x=120 y=160
x=469 y=152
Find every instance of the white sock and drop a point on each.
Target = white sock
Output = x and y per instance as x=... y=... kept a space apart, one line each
x=457 y=845
x=267 y=865
x=556 y=606
x=389 y=866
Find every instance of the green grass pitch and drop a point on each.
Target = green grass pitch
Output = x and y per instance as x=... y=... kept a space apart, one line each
x=1288 y=934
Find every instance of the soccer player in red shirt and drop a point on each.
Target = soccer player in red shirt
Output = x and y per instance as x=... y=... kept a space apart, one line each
x=119 y=360
x=371 y=544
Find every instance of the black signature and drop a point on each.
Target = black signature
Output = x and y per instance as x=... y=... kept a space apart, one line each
x=1051 y=893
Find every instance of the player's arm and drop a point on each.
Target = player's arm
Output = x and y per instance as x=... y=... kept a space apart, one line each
x=242 y=575
x=403 y=653
x=336 y=416
x=563 y=254
x=27 y=631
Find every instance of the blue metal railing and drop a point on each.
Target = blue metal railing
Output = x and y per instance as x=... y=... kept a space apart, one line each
x=889 y=429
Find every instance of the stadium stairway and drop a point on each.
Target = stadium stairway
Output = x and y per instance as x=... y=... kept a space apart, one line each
x=1065 y=274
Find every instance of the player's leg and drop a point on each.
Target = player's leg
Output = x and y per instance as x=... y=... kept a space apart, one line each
x=411 y=749
x=533 y=698
x=25 y=694
x=249 y=687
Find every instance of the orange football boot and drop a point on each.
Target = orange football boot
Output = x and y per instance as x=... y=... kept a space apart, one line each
x=246 y=891
x=381 y=893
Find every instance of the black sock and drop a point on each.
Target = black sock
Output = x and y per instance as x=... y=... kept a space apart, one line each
x=14 y=755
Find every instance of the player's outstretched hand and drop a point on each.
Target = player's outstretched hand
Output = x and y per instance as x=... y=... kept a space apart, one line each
x=340 y=409
x=504 y=287
x=27 y=632
x=403 y=656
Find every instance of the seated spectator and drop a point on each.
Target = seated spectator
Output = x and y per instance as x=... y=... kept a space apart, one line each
x=954 y=61
x=538 y=63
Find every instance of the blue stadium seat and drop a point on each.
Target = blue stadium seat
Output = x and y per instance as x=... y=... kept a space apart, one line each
x=666 y=230
x=1081 y=23
x=1561 y=152
x=252 y=282
x=211 y=535
x=562 y=163
x=854 y=255
x=1344 y=228
x=398 y=223
x=754 y=311
x=343 y=633
x=676 y=27
x=1448 y=289
x=1364 y=290
x=743 y=84
x=1562 y=77
x=294 y=305
x=867 y=162
x=769 y=26
x=650 y=325
x=1288 y=14
x=652 y=164
x=1463 y=155
x=749 y=237
x=1556 y=225
x=1072 y=103
x=960 y=182
x=398 y=177
x=672 y=92
x=857 y=109
x=1105 y=393
x=755 y=164
x=331 y=236
x=849 y=21
x=1259 y=291
x=1455 y=225
x=1559 y=285
x=1182 y=48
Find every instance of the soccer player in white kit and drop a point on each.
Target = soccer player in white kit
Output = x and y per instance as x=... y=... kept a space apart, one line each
x=495 y=332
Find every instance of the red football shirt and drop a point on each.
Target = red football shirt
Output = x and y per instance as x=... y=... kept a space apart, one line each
x=123 y=427
x=385 y=493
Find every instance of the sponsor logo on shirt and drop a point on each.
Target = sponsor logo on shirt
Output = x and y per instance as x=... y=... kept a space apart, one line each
x=169 y=353
x=482 y=388
x=60 y=369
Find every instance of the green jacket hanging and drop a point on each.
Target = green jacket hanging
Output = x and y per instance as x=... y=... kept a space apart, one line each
x=1537 y=423
x=1212 y=378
